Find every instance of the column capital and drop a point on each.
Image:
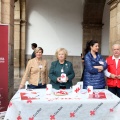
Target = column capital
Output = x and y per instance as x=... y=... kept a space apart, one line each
x=113 y=4
x=92 y=25
x=19 y=21
x=15 y=0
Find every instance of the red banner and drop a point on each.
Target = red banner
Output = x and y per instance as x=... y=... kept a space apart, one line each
x=3 y=67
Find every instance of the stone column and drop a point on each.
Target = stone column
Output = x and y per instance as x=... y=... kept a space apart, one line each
x=7 y=17
x=23 y=35
x=17 y=21
x=20 y=37
x=114 y=23
x=92 y=31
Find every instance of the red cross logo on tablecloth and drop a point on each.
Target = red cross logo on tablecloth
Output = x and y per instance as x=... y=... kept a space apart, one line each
x=111 y=109
x=19 y=118
x=10 y=104
x=92 y=113
x=72 y=114
x=32 y=118
x=89 y=90
x=29 y=101
x=52 y=117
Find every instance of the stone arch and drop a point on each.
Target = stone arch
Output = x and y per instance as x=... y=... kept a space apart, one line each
x=92 y=20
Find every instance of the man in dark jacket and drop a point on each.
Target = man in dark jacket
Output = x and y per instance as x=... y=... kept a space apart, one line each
x=33 y=46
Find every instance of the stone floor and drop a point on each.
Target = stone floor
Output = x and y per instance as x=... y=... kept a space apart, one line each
x=1 y=118
x=2 y=114
x=16 y=83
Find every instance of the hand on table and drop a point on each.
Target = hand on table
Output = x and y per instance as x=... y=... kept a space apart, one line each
x=21 y=86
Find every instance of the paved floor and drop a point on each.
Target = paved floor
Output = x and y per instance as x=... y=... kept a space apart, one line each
x=16 y=83
x=2 y=114
x=1 y=117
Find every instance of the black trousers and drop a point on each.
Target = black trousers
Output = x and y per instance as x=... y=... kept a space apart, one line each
x=115 y=90
x=36 y=87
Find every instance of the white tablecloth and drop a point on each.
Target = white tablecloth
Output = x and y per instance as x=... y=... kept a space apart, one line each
x=39 y=106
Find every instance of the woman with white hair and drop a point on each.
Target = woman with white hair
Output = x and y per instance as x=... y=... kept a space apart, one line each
x=61 y=72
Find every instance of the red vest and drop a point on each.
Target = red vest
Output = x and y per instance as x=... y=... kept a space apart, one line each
x=112 y=69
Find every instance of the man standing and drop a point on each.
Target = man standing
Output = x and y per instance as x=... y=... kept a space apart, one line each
x=33 y=46
x=113 y=71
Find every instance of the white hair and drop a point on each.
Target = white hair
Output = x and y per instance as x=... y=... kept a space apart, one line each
x=115 y=45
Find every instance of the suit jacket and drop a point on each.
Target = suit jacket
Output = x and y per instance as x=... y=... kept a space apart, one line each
x=33 y=55
x=55 y=72
x=35 y=73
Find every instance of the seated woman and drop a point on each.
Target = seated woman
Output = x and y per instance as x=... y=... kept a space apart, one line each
x=37 y=71
x=61 y=70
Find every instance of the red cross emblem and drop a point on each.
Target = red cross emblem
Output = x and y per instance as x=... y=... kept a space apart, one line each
x=29 y=101
x=19 y=118
x=62 y=76
x=52 y=117
x=32 y=118
x=111 y=109
x=72 y=114
x=92 y=113
x=10 y=104
x=46 y=88
x=77 y=89
x=89 y=90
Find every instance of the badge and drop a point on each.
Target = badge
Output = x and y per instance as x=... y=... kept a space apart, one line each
x=62 y=70
x=40 y=66
x=101 y=62
x=66 y=65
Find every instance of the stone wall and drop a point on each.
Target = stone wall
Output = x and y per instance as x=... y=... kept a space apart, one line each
x=114 y=23
x=19 y=37
x=77 y=64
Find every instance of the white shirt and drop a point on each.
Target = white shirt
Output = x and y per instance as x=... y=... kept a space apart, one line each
x=107 y=74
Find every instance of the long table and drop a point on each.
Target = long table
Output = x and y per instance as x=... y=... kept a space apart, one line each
x=36 y=105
